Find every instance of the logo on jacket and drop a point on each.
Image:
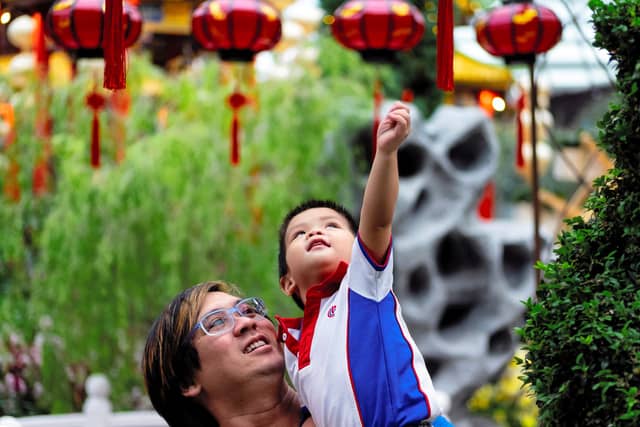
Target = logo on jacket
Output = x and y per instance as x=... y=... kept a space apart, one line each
x=332 y=311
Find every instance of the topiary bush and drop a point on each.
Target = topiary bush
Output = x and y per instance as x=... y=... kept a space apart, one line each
x=583 y=332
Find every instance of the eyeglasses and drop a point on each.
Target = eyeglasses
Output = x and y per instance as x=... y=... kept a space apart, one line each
x=221 y=320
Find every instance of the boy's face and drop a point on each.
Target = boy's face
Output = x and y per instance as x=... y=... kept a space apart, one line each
x=316 y=240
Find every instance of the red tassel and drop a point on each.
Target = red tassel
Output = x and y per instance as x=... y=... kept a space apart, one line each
x=96 y=102
x=11 y=184
x=40 y=178
x=519 y=132
x=114 y=52
x=40 y=47
x=235 y=144
x=407 y=95
x=236 y=101
x=444 y=52
x=377 y=102
x=95 y=141
x=486 y=205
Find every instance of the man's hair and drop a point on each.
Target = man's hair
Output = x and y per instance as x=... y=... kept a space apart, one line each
x=170 y=360
x=304 y=206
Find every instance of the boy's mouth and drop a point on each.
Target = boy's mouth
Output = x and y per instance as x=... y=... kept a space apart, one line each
x=317 y=242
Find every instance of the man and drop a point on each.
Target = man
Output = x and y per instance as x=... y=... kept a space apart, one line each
x=213 y=359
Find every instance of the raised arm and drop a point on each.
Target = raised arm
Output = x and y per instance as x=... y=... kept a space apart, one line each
x=381 y=191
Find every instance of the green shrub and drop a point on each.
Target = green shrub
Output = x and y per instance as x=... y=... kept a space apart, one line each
x=583 y=332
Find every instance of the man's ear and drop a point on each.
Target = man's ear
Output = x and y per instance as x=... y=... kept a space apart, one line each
x=288 y=285
x=192 y=391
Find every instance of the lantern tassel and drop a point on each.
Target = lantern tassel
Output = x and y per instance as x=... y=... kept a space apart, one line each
x=487 y=201
x=11 y=184
x=444 y=43
x=114 y=52
x=40 y=47
x=377 y=103
x=96 y=102
x=519 y=132
x=95 y=140
x=40 y=177
x=235 y=143
x=236 y=101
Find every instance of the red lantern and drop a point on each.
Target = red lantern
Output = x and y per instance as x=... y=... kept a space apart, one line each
x=77 y=26
x=518 y=31
x=85 y=29
x=237 y=30
x=378 y=28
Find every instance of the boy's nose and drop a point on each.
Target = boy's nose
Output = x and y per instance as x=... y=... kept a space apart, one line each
x=314 y=231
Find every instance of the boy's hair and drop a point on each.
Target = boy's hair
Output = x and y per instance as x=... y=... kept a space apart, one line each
x=304 y=206
x=170 y=361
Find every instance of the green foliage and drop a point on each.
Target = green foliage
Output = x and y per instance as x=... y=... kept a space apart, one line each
x=583 y=333
x=111 y=247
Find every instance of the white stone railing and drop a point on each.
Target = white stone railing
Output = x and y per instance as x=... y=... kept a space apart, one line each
x=96 y=412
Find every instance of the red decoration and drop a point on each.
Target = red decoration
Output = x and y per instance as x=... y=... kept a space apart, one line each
x=237 y=30
x=486 y=205
x=11 y=187
x=96 y=102
x=520 y=105
x=40 y=177
x=86 y=27
x=236 y=101
x=115 y=76
x=444 y=46
x=518 y=31
x=93 y=29
x=39 y=47
x=377 y=28
x=120 y=103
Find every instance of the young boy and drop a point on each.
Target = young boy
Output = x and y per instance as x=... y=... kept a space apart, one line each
x=350 y=356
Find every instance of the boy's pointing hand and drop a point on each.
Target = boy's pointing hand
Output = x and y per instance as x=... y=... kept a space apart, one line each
x=394 y=128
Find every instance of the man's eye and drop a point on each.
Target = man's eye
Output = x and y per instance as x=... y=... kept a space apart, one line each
x=248 y=311
x=215 y=322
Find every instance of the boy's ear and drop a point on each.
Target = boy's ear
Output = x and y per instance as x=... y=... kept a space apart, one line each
x=288 y=285
x=192 y=391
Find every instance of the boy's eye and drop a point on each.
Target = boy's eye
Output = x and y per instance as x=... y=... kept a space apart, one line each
x=297 y=234
x=333 y=225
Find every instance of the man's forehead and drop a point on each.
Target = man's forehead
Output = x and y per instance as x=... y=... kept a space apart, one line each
x=216 y=300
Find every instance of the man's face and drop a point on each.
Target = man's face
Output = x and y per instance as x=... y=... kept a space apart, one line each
x=316 y=241
x=239 y=357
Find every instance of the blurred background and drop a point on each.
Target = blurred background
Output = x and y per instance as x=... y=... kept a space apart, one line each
x=114 y=201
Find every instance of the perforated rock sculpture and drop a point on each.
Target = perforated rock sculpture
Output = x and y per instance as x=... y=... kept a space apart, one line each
x=460 y=279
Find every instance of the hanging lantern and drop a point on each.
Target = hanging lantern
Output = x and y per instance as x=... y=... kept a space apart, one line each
x=92 y=29
x=518 y=31
x=377 y=29
x=237 y=30
x=77 y=26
